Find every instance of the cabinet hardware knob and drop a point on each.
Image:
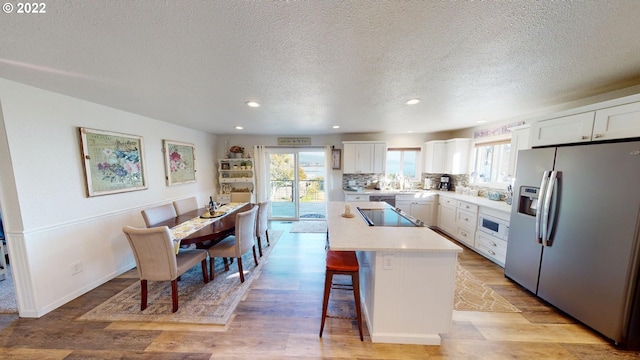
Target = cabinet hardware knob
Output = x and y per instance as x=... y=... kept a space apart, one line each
x=491 y=252
x=493 y=244
x=585 y=137
x=597 y=136
x=464 y=234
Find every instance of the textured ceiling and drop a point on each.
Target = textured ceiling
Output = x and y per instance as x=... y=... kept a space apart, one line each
x=314 y=64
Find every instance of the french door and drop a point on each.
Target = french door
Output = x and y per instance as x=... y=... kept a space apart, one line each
x=297 y=186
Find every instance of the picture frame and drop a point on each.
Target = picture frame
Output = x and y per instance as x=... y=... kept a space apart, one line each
x=113 y=162
x=336 y=159
x=179 y=162
x=225 y=166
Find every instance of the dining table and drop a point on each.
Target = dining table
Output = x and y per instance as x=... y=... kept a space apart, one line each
x=210 y=234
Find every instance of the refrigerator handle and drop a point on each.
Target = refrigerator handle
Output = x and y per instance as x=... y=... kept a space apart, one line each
x=539 y=212
x=546 y=207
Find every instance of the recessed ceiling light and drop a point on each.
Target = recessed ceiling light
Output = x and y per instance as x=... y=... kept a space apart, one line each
x=412 y=101
x=481 y=121
x=336 y=126
x=409 y=131
x=252 y=104
x=239 y=128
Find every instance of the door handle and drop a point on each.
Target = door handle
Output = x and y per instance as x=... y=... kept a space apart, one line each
x=543 y=189
x=547 y=205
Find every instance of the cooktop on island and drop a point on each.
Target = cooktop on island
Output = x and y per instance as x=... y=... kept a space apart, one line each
x=388 y=217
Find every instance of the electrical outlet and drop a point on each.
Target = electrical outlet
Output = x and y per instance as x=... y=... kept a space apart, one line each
x=76 y=267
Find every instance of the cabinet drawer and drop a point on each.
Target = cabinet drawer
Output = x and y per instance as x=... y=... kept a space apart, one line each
x=466 y=236
x=466 y=206
x=447 y=201
x=491 y=247
x=466 y=219
x=357 y=197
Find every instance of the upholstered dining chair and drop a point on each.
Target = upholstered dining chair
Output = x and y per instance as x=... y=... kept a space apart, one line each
x=234 y=246
x=240 y=197
x=156 y=259
x=262 y=224
x=185 y=205
x=157 y=214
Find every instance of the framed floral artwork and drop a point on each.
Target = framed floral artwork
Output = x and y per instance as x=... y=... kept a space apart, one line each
x=180 y=162
x=113 y=162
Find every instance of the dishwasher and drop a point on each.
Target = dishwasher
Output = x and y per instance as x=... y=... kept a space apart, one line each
x=389 y=199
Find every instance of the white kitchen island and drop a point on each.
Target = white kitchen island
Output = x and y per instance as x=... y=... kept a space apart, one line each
x=407 y=275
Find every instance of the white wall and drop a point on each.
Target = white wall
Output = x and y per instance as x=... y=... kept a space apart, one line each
x=49 y=221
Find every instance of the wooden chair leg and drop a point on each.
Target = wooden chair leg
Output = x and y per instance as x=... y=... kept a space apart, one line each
x=266 y=234
x=255 y=258
x=226 y=264
x=143 y=294
x=260 y=246
x=211 y=274
x=240 y=269
x=174 y=295
x=328 y=278
x=205 y=274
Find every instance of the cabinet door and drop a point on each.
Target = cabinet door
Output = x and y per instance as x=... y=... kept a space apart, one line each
x=423 y=211
x=358 y=158
x=617 y=122
x=519 y=141
x=457 y=156
x=379 y=158
x=404 y=206
x=569 y=129
x=447 y=219
x=435 y=157
x=350 y=158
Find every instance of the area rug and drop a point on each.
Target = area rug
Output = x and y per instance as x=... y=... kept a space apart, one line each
x=309 y=227
x=472 y=294
x=199 y=303
x=8 y=304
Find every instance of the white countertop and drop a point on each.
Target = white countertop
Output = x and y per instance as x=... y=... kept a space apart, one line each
x=478 y=200
x=355 y=234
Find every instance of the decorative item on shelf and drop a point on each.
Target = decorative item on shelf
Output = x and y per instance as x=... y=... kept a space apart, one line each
x=236 y=152
x=226 y=188
x=243 y=165
x=494 y=195
x=235 y=167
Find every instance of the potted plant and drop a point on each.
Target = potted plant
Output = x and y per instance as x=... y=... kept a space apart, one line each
x=236 y=151
x=243 y=165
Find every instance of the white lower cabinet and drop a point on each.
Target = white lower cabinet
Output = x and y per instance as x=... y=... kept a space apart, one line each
x=356 y=198
x=447 y=215
x=491 y=247
x=419 y=206
x=466 y=219
x=459 y=219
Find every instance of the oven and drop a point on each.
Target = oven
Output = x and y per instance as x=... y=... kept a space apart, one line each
x=493 y=226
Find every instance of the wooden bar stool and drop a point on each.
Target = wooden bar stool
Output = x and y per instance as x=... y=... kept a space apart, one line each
x=342 y=263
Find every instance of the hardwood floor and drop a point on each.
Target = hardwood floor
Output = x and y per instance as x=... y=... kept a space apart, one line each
x=280 y=318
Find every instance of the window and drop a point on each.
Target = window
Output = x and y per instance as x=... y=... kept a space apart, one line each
x=491 y=164
x=403 y=162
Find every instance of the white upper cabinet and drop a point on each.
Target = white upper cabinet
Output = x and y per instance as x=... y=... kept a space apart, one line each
x=447 y=156
x=617 y=122
x=364 y=157
x=434 y=155
x=568 y=129
x=457 y=156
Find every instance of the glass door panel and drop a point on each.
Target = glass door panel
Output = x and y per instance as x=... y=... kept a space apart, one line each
x=297 y=188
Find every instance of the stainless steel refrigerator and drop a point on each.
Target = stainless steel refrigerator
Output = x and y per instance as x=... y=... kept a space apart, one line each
x=574 y=236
